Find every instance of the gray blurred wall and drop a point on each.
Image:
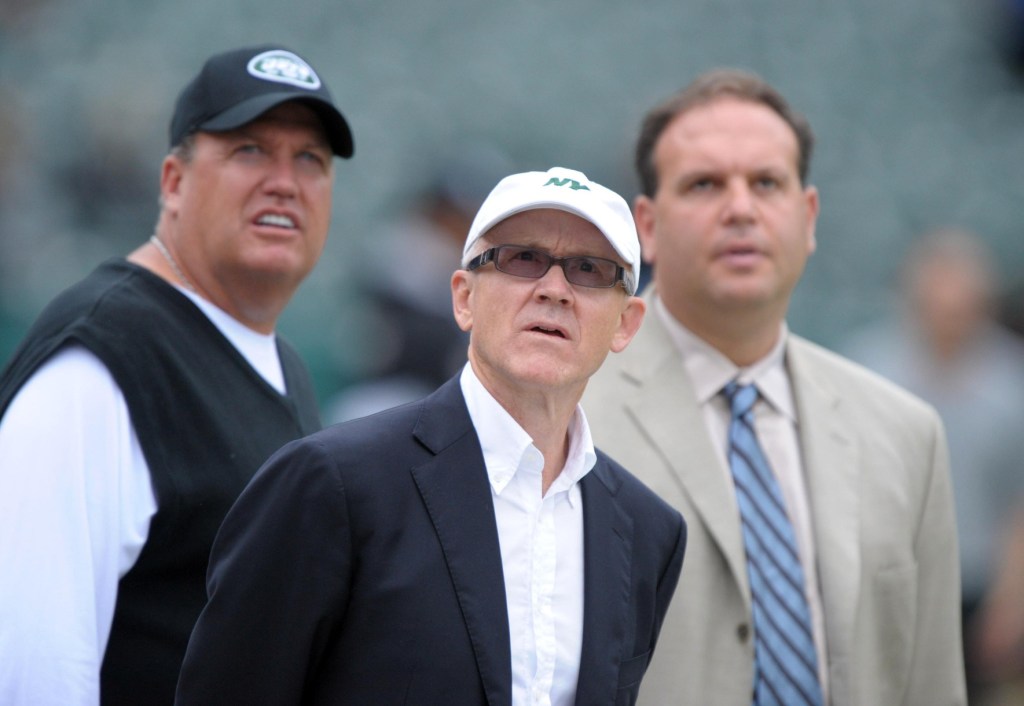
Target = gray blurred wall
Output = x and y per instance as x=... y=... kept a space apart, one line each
x=919 y=117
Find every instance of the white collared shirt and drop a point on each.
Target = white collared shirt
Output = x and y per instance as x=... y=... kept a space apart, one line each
x=777 y=427
x=541 y=539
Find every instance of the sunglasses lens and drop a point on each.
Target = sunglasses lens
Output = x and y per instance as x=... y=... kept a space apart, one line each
x=584 y=271
x=591 y=272
x=522 y=262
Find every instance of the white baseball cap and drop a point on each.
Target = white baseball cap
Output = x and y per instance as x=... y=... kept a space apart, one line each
x=565 y=190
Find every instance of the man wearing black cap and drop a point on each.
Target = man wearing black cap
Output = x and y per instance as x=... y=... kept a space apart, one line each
x=145 y=396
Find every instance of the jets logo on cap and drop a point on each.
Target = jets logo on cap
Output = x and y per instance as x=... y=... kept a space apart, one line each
x=571 y=183
x=284 y=67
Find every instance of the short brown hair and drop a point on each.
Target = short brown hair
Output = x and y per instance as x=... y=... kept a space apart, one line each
x=704 y=89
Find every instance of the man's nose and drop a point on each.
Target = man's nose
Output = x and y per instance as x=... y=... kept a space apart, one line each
x=282 y=178
x=554 y=285
x=739 y=200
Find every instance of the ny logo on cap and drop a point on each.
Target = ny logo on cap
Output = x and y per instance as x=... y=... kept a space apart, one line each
x=573 y=184
x=283 y=67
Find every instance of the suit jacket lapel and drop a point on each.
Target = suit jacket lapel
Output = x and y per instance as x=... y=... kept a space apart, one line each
x=457 y=496
x=665 y=406
x=607 y=549
x=830 y=456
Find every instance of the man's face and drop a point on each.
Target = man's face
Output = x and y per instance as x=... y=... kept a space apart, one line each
x=252 y=206
x=544 y=334
x=730 y=227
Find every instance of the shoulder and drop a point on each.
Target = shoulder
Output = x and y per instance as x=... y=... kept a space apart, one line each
x=358 y=458
x=397 y=437
x=810 y=362
x=381 y=433
x=116 y=281
x=825 y=380
x=116 y=297
x=59 y=322
x=644 y=504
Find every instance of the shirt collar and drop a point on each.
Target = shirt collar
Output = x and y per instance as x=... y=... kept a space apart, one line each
x=710 y=370
x=507 y=447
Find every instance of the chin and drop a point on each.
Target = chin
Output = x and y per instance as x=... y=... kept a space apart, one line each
x=550 y=377
x=745 y=294
x=281 y=265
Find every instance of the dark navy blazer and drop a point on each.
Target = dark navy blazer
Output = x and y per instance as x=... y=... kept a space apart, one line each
x=362 y=566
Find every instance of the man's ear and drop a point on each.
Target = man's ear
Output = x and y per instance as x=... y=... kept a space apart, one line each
x=171 y=172
x=643 y=215
x=629 y=323
x=813 y=207
x=461 y=291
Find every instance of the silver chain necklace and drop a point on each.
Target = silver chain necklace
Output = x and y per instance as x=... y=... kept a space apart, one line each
x=170 y=261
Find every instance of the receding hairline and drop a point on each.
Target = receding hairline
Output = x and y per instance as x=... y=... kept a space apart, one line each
x=706 y=89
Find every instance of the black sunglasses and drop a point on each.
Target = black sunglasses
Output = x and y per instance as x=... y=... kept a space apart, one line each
x=534 y=264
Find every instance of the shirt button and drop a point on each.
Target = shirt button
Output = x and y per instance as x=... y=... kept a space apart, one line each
x=743 y=632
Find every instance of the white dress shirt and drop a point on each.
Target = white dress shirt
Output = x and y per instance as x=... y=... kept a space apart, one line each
x=541 y=539
x=76 y=500
x=777 y=427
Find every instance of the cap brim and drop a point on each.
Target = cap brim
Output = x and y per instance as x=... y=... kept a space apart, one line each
x=338 y=133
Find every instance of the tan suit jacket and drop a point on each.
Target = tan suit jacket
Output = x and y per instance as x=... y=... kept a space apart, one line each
x=879 y=490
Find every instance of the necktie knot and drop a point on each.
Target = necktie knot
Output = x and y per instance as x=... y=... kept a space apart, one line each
x=741 y=398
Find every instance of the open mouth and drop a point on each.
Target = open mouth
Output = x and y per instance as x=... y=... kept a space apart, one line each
x=548 y=331
x=276 y=220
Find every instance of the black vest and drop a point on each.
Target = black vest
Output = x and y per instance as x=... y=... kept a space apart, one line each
x=206 y=421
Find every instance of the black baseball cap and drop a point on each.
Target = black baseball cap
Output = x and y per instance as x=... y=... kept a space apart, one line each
x=236 y=87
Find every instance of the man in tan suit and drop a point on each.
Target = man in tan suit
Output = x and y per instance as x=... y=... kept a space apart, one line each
x=727 y=220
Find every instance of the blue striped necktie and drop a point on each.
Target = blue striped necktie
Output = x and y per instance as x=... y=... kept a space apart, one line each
x=785 y=662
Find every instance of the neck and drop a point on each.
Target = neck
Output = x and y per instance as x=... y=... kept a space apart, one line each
x=258 y=313
x=166 y=254
x=549 y=429
x=744 y=336
x=545 y=415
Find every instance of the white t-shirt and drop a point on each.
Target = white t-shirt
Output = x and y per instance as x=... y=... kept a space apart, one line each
x=76 y=501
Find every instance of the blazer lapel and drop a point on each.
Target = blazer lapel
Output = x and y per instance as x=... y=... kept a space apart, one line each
x=457 y=496
x=830 y=453
x=665 y=406
x=607 y=550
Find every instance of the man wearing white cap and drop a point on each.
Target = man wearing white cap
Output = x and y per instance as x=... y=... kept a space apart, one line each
x=472 y=547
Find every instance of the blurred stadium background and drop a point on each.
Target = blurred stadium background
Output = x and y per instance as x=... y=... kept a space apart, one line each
x=918 y=106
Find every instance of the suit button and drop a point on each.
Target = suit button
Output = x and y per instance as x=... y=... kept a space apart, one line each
x=743 y=632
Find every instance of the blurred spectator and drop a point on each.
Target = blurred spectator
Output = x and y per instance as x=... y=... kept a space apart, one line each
x=1011 y=309
x=947 y=347
x=413 y=342
x=1008 y=22
x=13 y=163
x=107 y=184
